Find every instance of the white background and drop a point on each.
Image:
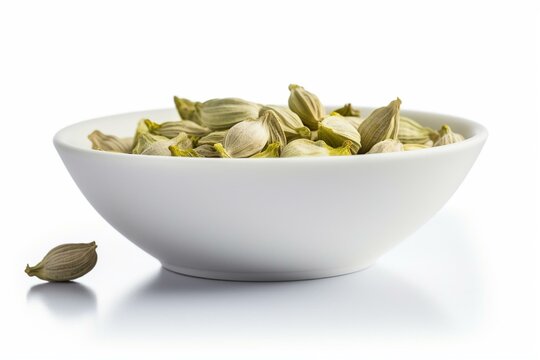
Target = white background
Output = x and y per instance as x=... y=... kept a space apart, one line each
x=464 y=286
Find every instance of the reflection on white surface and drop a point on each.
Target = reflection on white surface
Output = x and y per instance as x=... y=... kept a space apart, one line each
x=372 y=300
x=64 y=299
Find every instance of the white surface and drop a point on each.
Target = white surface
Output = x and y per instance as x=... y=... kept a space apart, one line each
x=266 y=219
x=462 y=287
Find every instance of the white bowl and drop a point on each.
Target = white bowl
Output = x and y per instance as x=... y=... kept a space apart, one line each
x=266 y=219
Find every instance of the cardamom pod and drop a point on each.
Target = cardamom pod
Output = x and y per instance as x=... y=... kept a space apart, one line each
x=347 y=110
x=207 y=150
x=271 y=151
x=171 y=129
x=385 y=146
x=150 y=144
x=354 y=120
x=381 y=124
x=290 y=122
x=221 y=114
x=411 y=132
x=213 y=138
x=176 y=151
x=65 y=262
x=305 y=147
x=244 y=139
x=306 y=105
x=186 y=109
x=103 y=142
x=273 y=126
x=335 y=130
x=447 y=136
x=139 y=130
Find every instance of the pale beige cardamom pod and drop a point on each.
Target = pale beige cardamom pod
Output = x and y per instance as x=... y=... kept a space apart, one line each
x=381 y=124
x=207 y=151
x=171 y=129
x=103 y=142
x=305 y=147
x=447 y=136
x=244 y=139
x=335 y=130
x=412 y=132
x=290 y=122
x=306 y=105
x=65 y=262
x=386 y=146
x=273 y=126
x=354 y=120
x=221 y=114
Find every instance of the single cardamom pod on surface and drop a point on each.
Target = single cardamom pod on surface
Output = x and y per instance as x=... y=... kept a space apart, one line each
x=273 y=126
x=244 y=139
x=221 y=114
x=305 y=147
x=65 y=262
x=271 y=151
x=447 y=136
x=103 y=142
x=381 y=124
x=411 y=132
x=292 y=125
x=171 y=129
x=335 y=130
x=186 y=108
x=385 y=146
x=347 y=110
x=306 y=105
x=150 y=144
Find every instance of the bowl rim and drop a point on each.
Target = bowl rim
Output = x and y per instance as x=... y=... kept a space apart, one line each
x=480 y=134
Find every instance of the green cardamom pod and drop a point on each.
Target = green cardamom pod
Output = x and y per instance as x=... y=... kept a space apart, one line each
x=273 y=126
x=213 y=138
x=103 y=142
x=335 y=130
x=271 y=151
x=186 y=109
x=381 y=124
x=305 y=147
x=386 y=146
x=221 y=114
x=292 y=125
x=447 y=136
x=306 y=105
x=150 y=144
x=244 y=139
x=347 y=110
x=411 y=132
x=139 y=130
x=171 y=129
x=65 y=262
x=176 y=151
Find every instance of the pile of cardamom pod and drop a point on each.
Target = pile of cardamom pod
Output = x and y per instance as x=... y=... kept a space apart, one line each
x=235 y=128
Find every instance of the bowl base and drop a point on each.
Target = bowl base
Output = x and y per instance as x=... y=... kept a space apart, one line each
x=264 y=276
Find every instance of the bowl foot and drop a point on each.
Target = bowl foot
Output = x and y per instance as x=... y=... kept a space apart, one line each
x=263 y=276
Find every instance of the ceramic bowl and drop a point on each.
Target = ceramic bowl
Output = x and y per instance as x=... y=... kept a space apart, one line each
x=266 y=219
